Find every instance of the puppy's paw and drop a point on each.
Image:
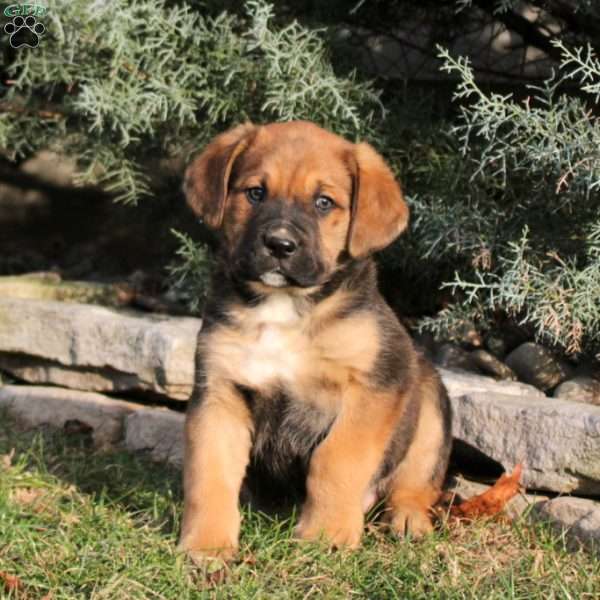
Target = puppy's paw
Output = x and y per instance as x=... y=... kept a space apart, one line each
x=410 y=519
x=202 y=552
x=339 y=531
x=207 y=538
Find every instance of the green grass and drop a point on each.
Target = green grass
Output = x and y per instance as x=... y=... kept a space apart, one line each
x=80 y=524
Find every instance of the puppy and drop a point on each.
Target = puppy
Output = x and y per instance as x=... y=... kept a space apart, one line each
x=301 y=365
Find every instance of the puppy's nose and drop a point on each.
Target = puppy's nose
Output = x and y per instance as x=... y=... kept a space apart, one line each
x=279 y=243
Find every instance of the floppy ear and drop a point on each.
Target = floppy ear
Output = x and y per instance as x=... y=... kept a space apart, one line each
x=379 y=213
x=206 y=179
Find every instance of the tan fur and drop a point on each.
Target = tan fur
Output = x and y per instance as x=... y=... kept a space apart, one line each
x=217 y=448
x=381 y=213
x=338 y=169
x=411 y=491
x=342 y=362
x=343 y=465
x=285 y=343
x=207 y=179
x=299 y=185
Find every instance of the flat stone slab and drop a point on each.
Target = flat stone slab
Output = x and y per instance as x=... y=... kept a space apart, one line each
x=578 y=517
x=460 y=382
x=97 y=348
x=113 y=422
x=157 y=431
x=557 y=441
x=35 y=406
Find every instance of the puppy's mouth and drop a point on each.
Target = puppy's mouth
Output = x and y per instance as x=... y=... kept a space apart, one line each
x=275 y=278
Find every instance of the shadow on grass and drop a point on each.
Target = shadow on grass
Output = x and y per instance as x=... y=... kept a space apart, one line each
x=128 y=480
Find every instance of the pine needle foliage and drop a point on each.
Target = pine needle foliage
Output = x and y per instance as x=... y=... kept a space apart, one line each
x=116 y=83
x=189 y=274
x=505 y=202
x=533 y=239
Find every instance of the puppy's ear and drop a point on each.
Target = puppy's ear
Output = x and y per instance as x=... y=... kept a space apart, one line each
x=379 y=213
x=206 y=179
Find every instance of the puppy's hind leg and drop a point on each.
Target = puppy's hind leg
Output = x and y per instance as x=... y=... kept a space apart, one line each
x=416 y=483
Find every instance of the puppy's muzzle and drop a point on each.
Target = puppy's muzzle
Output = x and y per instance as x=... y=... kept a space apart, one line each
x=280 y=242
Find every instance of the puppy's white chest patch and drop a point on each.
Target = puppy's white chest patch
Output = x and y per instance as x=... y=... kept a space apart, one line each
x=272 y=358
x=272 y=348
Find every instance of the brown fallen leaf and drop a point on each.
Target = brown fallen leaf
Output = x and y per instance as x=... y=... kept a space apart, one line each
x=26 y=495
x=6 y=459
x=492 y=501
x=11 y=582
x=216 y=578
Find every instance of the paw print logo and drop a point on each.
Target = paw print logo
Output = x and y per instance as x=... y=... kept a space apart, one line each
x=24 y=32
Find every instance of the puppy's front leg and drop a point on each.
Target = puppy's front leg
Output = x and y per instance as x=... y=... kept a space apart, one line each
x=343 y=466
x=217 y=450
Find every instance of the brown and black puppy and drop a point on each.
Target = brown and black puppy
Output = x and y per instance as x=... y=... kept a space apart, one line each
x=300 y=363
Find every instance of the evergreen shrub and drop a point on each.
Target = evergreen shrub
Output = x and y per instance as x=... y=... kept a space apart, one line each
x=504 y=195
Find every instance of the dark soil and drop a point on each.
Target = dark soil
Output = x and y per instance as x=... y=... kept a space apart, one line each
x=83 y=234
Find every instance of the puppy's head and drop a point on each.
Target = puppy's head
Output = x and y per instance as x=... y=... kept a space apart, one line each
x=294 y=202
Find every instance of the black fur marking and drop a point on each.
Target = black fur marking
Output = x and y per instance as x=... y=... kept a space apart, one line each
x=401 y=439
x=285 y=431
x=285 y=436
x=251 y=259
x=394 y=366
x=446 y=409
x=199 y=374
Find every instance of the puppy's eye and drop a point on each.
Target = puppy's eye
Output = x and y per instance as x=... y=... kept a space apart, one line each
x=255 y=194
x=324 y=204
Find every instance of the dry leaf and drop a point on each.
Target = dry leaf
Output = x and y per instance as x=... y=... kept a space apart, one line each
x=71 y=519
x=6 y=459
x=11 y=582
x=26 y=495
x=492 y=501
x=217 y=577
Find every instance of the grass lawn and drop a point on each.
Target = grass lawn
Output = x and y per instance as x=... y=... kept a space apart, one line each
x=79 y=524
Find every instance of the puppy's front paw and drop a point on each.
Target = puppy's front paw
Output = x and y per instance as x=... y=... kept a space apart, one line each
x=410 y=519
x=210 y=535
x=201 y=550
x=339 y=529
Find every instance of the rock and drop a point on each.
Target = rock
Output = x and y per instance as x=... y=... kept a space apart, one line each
x=579 y=517
x=536 y=365
x=34 y=406
x=465 y=333
x=158 y=431
x=51 y=167
x=513 y=335
x=579 y=389
x=589 y=368
x=557 y=441
x=459 y=383
x=38 y=371
x=49 y=286
x=453 y=356
x=97 y=348
x=489 y=364
x=494 y=343
x=515 y=507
